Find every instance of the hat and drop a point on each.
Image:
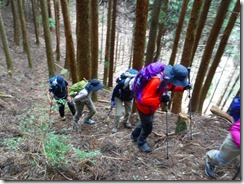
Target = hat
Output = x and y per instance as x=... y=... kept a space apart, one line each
x=60 y=81
x=95 y=85
x=177 y=74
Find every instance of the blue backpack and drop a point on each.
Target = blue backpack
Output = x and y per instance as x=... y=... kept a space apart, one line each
x=143 y=77
x=127 y=77
x=234 y=109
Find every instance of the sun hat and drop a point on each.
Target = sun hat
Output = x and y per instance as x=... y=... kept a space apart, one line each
x=60 y=81
x=177 y=74
x=95 y=85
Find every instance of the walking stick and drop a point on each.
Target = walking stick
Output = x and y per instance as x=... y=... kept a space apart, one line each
x=189 y=95
x=166 y=110
x=110 y=110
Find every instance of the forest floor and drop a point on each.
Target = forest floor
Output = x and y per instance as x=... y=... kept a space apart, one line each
x=23 y=113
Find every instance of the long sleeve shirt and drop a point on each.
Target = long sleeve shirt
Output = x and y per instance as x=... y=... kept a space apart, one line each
x=151 y=95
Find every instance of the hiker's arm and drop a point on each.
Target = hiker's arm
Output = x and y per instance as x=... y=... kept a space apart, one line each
x=178 y=89
x=69 y=99
x=50 y=97
x=81 y=95
x=116 y=90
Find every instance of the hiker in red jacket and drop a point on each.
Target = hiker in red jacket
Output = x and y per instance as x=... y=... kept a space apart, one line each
x=154 y=93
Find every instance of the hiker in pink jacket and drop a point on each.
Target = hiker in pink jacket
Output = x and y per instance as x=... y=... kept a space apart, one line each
x=228 y=151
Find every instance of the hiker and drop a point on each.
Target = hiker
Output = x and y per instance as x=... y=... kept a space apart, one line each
x=155 y=92
x=230 y=148
x=59 y=90
x=122 y=94
x=84 y=98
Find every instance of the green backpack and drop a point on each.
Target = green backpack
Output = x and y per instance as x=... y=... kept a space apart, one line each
x=77 y=87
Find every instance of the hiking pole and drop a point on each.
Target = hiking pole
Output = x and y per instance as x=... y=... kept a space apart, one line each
x=110 y=110
x=166 y=110
x=189 y=95
x=237 y=173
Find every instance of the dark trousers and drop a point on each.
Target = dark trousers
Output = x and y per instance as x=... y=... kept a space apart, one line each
x=61 y=108
x=142 y=131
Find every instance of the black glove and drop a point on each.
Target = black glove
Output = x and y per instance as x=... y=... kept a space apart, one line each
x=165 y=98
x=189 y=86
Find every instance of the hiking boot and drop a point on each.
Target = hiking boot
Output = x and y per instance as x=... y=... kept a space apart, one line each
x=127 y=125
x=62 y=118
x=210 y=168
x=89 y=122
x=145 y=148
x=114 y=130
x=134 y=139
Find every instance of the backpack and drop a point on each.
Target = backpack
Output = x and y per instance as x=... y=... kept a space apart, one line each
x=144 y=75
x=127 y=77
x=77 y=87
x=234 y=109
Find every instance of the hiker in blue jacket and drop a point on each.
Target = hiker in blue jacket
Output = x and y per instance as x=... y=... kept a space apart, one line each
x=123 y=95
x=59 y=91
x=84 y=98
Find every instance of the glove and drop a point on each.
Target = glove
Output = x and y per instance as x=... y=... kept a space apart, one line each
x=112 y=104
x=165 y=98
x=189 y=86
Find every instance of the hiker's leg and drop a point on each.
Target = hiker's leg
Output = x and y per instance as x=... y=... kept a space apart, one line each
x=91 y=107
x=147 y=125
x=128 y=107
x=227 y=152
x=136 y=132
x=79 y=109
x=118 y=112
x=72 y=107
x=61 y=109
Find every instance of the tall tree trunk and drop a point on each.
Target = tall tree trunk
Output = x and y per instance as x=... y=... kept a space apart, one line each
x=94 y=42
x=140 y=33
x=101 y=47
x=57 y=25
x=216 y=87
x=225 y=89
x=223 y=8
x=48 y=41
x=70 y=49
x=107 y=47
x=231 y=91
x=200 y=26
x=112 y=43
x=83 y=33
x=178 y=32
x=16 y=22
x=6 y=49
x=153 y=32
x=36 y=23
x=24 y=32
x=161 y=31
x=187 y=50
x=219 y=54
